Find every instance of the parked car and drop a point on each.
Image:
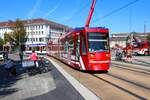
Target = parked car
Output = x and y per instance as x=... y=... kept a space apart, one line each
x=1 y=55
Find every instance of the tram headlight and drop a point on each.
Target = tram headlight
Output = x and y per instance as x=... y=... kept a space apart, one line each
x=92 y=55
x=107 y=55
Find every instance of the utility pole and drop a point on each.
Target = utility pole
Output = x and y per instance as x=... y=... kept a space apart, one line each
x=144 y=26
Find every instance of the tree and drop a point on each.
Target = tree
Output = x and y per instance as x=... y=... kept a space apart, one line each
x=19 y=34
x=148 y=37
x=7 y=38
x=1 y=42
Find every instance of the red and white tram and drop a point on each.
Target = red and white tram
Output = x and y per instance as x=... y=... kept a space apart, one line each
x=84 y=48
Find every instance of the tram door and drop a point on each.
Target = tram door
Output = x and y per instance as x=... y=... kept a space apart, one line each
x=83 y=52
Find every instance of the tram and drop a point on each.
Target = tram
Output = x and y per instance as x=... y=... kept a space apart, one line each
x=85 y=48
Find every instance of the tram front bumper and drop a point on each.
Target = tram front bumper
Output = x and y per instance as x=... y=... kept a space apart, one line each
x=95 y=66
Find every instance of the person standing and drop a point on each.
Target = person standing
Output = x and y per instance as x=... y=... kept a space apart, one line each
x=21 y=55
x=129 y=54
x=5 y=55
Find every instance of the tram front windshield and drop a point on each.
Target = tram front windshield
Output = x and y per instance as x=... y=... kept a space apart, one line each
x=98 y=42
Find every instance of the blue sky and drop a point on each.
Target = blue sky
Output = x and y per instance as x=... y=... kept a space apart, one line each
x=74 y=13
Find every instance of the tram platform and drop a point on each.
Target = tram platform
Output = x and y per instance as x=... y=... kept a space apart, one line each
x=52 y=85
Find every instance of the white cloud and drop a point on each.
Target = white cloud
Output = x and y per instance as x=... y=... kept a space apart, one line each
x=51 y=11
x=34 y=9
x=72 y=14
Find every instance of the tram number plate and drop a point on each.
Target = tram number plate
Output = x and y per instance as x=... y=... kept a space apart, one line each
x=28 y=64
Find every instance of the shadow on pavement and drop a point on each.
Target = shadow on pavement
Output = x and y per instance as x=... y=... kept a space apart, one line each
x=63 y=91
x=6 y=82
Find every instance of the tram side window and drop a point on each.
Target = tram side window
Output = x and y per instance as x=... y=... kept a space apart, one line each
x=77 y=48
x=61 y=49
x=66 y=46
x=71 y=46
x=83 y=46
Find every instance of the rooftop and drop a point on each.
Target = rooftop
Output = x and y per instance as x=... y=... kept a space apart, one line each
x=123 y=36
x=10 y=23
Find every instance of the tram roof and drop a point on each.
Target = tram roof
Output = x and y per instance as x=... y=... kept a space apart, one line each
x=81 y=29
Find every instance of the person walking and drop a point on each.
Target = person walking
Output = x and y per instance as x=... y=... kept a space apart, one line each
x=34 y=58
x=33 y=70
x=129 y=54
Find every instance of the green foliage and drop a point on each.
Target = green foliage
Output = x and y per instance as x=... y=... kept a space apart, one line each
x=1 y=42
x=7 y=38
x=148 y=37
x=19 y=34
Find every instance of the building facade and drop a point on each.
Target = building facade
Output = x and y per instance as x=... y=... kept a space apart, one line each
x=38 y=31
x=120 y=38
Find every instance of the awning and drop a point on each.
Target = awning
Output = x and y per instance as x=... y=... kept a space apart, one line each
x=33 y=45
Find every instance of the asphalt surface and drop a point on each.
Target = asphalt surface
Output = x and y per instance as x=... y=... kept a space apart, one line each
x=46 y=86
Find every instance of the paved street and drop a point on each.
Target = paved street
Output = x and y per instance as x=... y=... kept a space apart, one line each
x=51 y=85
x=124 y=81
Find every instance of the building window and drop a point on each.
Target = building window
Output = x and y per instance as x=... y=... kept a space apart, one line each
x=36 y=39
x=36 y=27
x=28 y=39
x=41 y=26
x=33 y=39
x=41 y=39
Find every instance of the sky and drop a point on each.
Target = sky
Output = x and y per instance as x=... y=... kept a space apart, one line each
x=74 y=13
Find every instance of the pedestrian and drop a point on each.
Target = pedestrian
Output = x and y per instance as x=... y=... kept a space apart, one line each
x=35 y=68
x=129 y=54
x=10 y=68
x=21 y=55
x=5 y=55
x=119 y=53
x=34 y=57
x=124 y=55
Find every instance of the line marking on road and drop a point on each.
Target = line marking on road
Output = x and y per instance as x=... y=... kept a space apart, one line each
x=86 y=93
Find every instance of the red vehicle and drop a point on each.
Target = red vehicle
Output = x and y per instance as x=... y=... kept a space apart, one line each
x=84 y=48
x=139 y=47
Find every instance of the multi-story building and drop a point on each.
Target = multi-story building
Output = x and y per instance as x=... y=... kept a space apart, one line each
x=120 y=38
x=39 y=31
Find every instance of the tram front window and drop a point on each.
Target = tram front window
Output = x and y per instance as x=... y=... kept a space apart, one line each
x=98 y=42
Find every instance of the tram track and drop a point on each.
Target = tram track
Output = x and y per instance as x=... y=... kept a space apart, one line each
x=133 y=67
x=131 y=82
x=135 y=89
x=131 y=85
x=115 y=83
x=144 y=71
x=120 y=87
